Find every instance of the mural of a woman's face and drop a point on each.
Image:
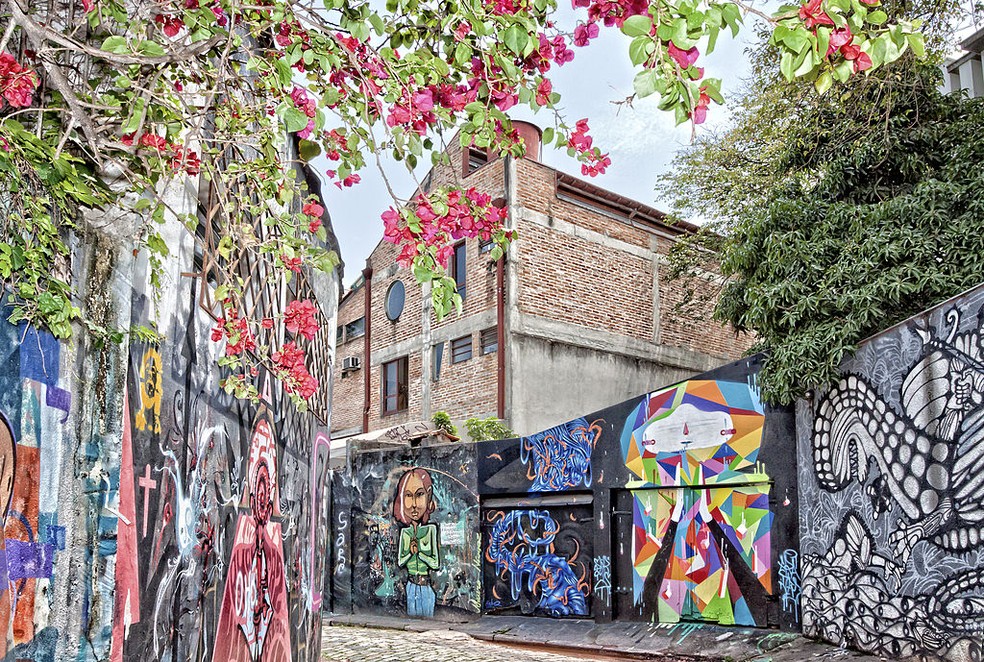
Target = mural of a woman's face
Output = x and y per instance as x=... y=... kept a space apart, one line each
x=416 y=498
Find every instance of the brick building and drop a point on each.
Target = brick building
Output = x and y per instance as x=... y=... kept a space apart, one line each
x=585 y=317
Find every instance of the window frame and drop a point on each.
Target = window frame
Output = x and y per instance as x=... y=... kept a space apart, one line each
x=460 y=279
x=454 y=350
x=401 y=397
x=483 y=347
x=474 y=159
x=362 y=331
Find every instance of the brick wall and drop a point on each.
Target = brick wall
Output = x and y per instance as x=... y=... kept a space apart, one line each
x=573 y=280
x=613 y=287
x=465 y=389
x=601 y=278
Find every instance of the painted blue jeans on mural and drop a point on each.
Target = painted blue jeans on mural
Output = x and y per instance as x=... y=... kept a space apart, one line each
x=420 y=600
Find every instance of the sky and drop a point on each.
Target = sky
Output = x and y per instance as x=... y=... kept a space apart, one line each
x=640 y=139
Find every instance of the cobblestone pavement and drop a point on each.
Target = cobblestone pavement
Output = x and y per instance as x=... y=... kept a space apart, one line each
x=355 y=644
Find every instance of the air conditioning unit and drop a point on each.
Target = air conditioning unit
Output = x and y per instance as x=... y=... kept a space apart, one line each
x=351 y=363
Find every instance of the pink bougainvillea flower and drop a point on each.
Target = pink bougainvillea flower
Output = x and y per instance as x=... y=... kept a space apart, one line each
x=543 y=91
x=267 y=323
x=700 y=110
x=685 y=58
x=423 y=100
x=300 y=318
x=812 y=15
x=171 y=25
x=220 y=16
x=292 y=263
x=17 y=83
x=88 y=5
x=313 y=209
x=584 y=33
x=862 y=61
x=838 y=38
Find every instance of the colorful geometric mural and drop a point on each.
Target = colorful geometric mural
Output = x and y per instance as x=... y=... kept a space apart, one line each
x=689 y=442
x=694 y=433
x=699 y=581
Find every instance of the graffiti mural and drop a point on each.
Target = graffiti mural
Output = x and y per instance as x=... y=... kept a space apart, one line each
x=414 y=533
x=560 y=458
x=790 y=590
x=701 y=436
x=540 y=570
x=892 y=459
x=685 y=496
x=419 y=550
x=34 y=409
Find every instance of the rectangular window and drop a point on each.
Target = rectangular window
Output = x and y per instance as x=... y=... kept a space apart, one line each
x=438 y=359
x=340 y=335
x=355 y=329
x=485 y=246
x=395 y=386
x=461 y=349
x=459 y=268
x=475 y=158
x=490 y=340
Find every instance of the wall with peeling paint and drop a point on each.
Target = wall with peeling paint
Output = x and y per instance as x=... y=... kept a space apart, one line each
x=147 y=514
x=414 y=533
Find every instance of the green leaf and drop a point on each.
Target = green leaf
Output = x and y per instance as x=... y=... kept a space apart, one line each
x=637 y=26
x=294 y=119
x=377 y=23
x=115 y=44
x=548 y=135
x=645 y=83
x=917 y=42
x=150 y=48
x=308 y=149
x=823 y=82
x=786 y=66
x=640 y=49
x=516 y=39
x=877 y=17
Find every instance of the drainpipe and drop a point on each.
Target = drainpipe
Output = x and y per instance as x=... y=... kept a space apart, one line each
x=367 y=345
x=500 y=332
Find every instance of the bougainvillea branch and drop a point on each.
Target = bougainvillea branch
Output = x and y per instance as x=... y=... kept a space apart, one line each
x=142 y=93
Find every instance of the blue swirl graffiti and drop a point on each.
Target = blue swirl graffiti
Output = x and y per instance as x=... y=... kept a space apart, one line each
x=560 y=458
x=521 y=544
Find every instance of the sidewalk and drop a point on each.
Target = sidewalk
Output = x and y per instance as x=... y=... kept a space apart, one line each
x=682 y=642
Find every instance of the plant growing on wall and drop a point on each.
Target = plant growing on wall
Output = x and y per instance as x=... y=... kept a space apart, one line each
x=106 y=103
x=487 y=429
x=443 y=422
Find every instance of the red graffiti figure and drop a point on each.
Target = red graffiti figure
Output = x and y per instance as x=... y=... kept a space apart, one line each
x=253 y=624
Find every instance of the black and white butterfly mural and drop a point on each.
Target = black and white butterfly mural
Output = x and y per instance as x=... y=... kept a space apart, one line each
x=892 y=463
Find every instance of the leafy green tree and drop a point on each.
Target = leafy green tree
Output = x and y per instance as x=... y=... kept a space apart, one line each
x=870 y=211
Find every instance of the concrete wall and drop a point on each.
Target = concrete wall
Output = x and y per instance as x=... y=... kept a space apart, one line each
x=150 y=516
x=557 y=373
x=892 y=466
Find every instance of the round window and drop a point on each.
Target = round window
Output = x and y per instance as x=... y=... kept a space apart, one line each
x=396 y=295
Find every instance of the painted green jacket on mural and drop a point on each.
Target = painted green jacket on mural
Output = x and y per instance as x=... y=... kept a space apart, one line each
x=427 y=557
